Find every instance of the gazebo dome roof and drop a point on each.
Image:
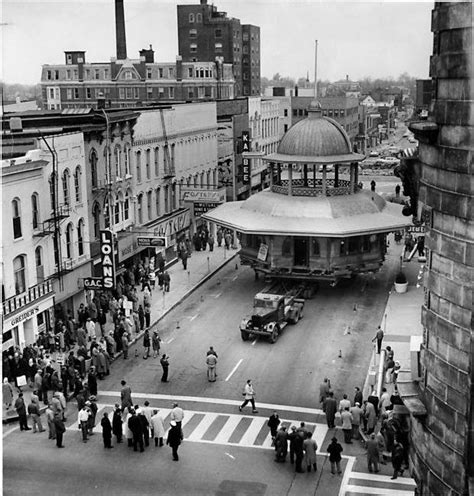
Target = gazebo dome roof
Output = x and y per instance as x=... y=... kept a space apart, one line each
x=315 y=139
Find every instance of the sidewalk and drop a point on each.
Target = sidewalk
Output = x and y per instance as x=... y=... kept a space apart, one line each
x=202 y=265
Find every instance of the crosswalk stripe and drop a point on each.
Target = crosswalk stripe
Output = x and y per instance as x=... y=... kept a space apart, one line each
x=227 y=430
x=252 y=432
x=379 y=491
x=201 y=429
x=382 y=478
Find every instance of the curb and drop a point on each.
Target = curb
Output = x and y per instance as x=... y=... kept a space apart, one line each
x=172 y=307
x=155 y=323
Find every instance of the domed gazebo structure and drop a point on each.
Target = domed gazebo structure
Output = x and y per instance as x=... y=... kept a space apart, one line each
x=314 y=222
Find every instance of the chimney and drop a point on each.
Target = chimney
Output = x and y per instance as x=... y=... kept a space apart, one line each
x=120 y=30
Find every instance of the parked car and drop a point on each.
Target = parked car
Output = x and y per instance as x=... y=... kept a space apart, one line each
x=373 y=153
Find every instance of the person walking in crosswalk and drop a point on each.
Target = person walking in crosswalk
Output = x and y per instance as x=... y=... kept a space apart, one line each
x=249 y=394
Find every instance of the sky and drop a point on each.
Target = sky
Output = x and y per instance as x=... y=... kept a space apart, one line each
x=358 y=39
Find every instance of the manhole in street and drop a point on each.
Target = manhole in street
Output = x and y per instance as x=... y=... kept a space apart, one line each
x=241 y=488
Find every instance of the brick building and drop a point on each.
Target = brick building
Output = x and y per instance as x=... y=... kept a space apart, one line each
x=125 y=82
x=442 y=411
x=206 y=34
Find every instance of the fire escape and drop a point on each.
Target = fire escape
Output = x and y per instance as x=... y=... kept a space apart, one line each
x=52 y=226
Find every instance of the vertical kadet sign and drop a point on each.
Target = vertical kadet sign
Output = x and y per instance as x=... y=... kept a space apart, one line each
x=107 y=257
x=245 y=160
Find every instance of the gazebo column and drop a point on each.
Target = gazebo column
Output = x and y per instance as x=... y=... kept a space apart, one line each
x=336 y=175
x=324 y=180
x=305 y=175
x=314 y=176
x=290 y=179
x=279 y=173
x=356 y=176
x=271 y=175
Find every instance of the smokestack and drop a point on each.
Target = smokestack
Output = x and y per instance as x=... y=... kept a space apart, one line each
x=316 y=69
x=120 y=30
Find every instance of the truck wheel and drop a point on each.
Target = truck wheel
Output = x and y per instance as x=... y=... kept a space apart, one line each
x=244 y=335
x=274 y=335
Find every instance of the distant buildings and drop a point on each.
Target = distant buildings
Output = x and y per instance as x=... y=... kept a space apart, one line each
x=125 y=82
x=206 y=34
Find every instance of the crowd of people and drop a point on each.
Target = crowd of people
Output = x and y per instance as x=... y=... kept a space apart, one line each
x=373 y=420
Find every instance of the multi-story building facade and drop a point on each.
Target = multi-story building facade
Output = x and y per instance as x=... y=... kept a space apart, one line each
x=68 y=213
x=205 y=34
x=127 y=83
x=344 y=110
x=27 y=290
x=174 y=164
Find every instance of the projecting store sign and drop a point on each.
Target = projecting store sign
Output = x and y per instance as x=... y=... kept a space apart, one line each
x=203 y=207
x=204 y=195
x=147 y=241
x=107 y=258
x=93 y=283
x=245 y=160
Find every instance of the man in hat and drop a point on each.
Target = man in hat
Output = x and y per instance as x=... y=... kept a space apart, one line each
x=106 y=431
x=83 y=420
x=126 y=395
x=20 y=408
x=291 y=438
x=93 y=409
x=135 y=426
x=373 y=454
x=60 y=429
x=335 y=450
x=117 y=423
x=158 y=427
x=174 y=439
x=356 y=412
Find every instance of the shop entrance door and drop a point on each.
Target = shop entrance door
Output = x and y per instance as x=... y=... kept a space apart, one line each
x=300 y=252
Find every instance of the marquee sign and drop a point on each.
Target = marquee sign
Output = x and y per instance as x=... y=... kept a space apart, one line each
x=107 y=258
x=204 y=195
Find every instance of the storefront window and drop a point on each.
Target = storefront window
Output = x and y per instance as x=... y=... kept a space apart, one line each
x=315 y=247
x=286 y=247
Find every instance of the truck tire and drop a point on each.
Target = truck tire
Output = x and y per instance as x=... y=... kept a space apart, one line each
x=244 y=335
x=275 y=334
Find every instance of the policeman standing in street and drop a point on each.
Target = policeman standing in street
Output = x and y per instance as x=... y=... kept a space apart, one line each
x=165 y=365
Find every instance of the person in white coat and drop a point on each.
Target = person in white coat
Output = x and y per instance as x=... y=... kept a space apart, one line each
x=158 y=426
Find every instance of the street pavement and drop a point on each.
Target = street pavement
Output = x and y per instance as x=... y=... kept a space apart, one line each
x=225 y=452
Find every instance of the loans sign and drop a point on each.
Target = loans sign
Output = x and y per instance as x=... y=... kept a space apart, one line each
x=107 y=258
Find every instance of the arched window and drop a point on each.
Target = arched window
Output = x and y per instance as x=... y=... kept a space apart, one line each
x=66 y=193
x=139 y=166
x=126 y=206
x=69 y=241
x=173 y=196
x=80 y=237
x=198 y=17
x=108 y=163
x=52 y=191
x=117 y=210
x=106 y=213
x=166 y=198
x=96 y=216
x=77 y=184
x=39 y=264
x=35 y=210
x=157 y=202
x=117 y=153
x=149 y=203
x=191 y=17
x=156 y=157
x=19 y=273
x=140 y=208
x=16 y=217
x=93 y=167
x=126 y=159
x=147 y=165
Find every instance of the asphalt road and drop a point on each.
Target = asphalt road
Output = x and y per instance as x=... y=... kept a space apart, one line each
x=286 y=374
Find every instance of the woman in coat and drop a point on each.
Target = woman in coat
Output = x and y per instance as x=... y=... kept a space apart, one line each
x=158 y=426
x=146 y=344
x=370 y=416
x=7 y=393
x=310 y=446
